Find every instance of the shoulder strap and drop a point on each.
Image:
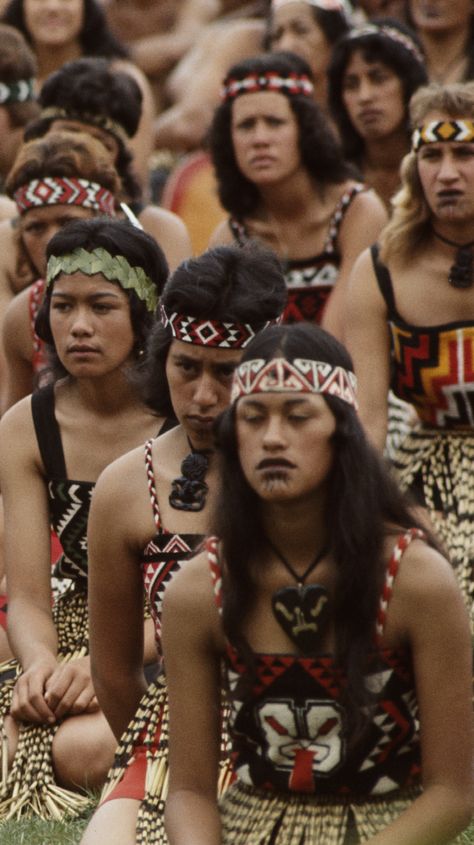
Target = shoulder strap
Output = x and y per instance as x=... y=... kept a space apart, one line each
x=238 y=230
x=47 y=431
x=150 y=474
x=401 y=545
x=338 y=215
x=384 y=281
x=211 y=546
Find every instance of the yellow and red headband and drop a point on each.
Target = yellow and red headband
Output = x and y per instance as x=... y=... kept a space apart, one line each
x=460 y=130
x=211 y=332
x=61 y=190
x=301 y=375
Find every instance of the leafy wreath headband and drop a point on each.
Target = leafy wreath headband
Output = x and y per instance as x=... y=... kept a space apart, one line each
x=115 y=268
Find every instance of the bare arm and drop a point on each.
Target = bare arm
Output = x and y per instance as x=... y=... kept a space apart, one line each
x=367 y=339
x=141 y=145
x=170 y=233
x=428 y=602
x=360 y=228
x=115 y=598
x=18 y=351
x=192 y=668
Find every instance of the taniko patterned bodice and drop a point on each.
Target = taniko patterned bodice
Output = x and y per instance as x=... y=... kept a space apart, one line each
x=288 y=734
x=432 y=366
x=165 y=553
x=69 y=501
x=309 y=281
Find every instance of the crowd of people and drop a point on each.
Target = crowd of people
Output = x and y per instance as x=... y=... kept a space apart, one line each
x=237 y=420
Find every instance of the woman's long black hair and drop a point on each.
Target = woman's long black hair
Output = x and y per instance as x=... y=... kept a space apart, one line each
x=320 y=150
x=375 y=46
x=363 y=505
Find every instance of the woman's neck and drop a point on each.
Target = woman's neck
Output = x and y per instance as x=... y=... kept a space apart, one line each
x=294 y=528
x=289 y=199
x=108 y=396
x=385 y=153
x=446 y=54
x=50 y=58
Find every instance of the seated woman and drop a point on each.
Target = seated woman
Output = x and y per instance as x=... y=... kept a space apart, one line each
x=411 y=320
x=374 y=71
x=54 y=180
x=342 y=630
x=104 y=280
x=282 y=178
x=150 y=511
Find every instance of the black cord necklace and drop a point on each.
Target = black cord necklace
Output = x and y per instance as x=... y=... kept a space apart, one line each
x=303 y=610
x=189 y=491
x=461 y=272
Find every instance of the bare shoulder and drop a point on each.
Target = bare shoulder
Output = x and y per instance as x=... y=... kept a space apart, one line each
x=221 y=236
x=17 y=419
x=368 y=202
x=119 y=477
x=162 y=220
x=426 y=598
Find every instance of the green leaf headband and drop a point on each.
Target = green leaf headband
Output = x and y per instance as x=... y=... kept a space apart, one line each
x=115 y=268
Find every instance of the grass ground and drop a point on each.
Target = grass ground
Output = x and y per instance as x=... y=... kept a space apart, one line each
x=27 y=832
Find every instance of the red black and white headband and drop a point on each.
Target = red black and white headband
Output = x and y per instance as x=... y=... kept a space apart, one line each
x=301 y=375
x=211 y=332
x=61 y=190
x=325 y=5
x=293 y=84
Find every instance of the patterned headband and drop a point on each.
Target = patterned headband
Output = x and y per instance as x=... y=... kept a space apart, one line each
x=392 y=33
x=326 y=5
x=211 y=332
x=292 y=84
x=115 y=268
x=62 y=190
x=437 y=131
x=99 y=120
x=20 y=91
x=298 y=376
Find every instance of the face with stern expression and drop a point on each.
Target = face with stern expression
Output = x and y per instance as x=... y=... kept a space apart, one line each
x=446 y=172
x=285 y=444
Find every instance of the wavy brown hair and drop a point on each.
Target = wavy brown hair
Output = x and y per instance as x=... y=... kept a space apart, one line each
x=410 y=224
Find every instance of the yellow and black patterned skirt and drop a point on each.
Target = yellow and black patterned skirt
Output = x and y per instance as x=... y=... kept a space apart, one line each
x=437 y=466
x=29 y=788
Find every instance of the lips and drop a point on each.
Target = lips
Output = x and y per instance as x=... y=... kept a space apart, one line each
x=82 y=350
x=275 y=463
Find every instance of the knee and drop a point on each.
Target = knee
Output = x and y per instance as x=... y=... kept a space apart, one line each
x=113 y=822
x=83 y=750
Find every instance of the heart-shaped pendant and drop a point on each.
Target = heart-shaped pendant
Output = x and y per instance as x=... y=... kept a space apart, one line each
x=303 y=613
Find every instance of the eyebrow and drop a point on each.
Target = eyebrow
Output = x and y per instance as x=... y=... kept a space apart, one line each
x=289 y=403
x=96 y=295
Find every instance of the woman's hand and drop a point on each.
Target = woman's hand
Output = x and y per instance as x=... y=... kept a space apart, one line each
x=69 y=690
x=29 y=702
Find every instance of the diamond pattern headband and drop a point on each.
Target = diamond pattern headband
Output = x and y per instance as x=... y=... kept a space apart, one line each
x=114 y=268
x=211 y=332
x=299 y=376
x=292 y=84
x=436 y=131
x=61 y=190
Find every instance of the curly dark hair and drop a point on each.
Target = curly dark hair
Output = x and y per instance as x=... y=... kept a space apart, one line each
x=375 y=46
x=95 y=37
x=332 y=22
x=320 y=150
x=363 y=505
x=228 y=283
x=118 y=237
x=89 y=90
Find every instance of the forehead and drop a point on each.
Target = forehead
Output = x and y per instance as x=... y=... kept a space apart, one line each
x=79 y=284
x=204 y=354
x=52 y=213
x=260 y=102
x=360 y=61
x=281 y=401
x=294 y=10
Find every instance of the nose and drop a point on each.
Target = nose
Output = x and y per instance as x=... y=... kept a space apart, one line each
x=260 y=133
x=205 y=393
x=81 y=323
x=365 y=90
x=448 y=171
x=287 y=41
x=274 y=436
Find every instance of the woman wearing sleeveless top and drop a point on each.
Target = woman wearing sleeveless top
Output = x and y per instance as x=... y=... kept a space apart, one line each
x=150 y=513
x=103 y=281
x=410 y=318
x=282 y=178
x=342 y=630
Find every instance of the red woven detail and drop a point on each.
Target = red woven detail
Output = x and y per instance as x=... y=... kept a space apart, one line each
x=150 y=475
